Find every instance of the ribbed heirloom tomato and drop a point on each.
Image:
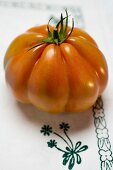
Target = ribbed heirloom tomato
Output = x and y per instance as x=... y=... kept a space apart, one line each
x=57 y=69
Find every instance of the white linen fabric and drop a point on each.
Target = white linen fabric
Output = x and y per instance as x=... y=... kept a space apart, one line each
x=33 y=140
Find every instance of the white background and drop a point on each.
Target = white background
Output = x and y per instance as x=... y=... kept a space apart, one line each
x=22 y=146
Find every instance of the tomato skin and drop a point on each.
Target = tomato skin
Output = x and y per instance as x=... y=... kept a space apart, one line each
x=94 y=56
x=77 y=32
x=40 y=29
x=83 y=82
x=21 y=43
x=49 y=90
x=67 y=77
x=19 y=70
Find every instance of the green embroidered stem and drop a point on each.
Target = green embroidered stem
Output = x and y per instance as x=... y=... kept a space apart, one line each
x=59 y=149
x=70 y=155
x=69 y=139
x=62 y=139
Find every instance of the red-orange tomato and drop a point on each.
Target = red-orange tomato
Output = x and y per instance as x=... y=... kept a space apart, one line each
x=67 y=77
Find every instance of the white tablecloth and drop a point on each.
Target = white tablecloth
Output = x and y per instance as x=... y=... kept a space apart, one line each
x=22 y=145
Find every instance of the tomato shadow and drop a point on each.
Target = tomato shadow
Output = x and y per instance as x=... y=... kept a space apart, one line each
x=78 y=122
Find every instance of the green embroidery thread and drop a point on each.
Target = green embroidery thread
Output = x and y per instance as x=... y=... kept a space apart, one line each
x=71 y=153
x=104 y=145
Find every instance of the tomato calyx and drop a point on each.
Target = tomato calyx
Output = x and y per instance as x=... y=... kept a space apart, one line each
x=59 y=34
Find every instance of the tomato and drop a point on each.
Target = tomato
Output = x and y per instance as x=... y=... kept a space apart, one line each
x=57 y=69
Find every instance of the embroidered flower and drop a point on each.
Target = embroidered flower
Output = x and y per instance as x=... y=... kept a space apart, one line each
x=46 y=130
x=52 y=143
x=64 y=126
x=102 y=133
x=98 y=113
x=105 y=155
x=71 y=153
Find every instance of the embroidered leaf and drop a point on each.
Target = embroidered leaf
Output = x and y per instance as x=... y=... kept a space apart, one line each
x=66 y=154
x=97 y=122
x=111 y=164
x=68 y=149
x=66 y=159
x=78 y=144
x=102 y=121
x=103 y=166
x=101 y=142
x=69 y=153
x=78 y=159
x=83 y=148
x=108 y=165
x=71 y=162
x=107 y=143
